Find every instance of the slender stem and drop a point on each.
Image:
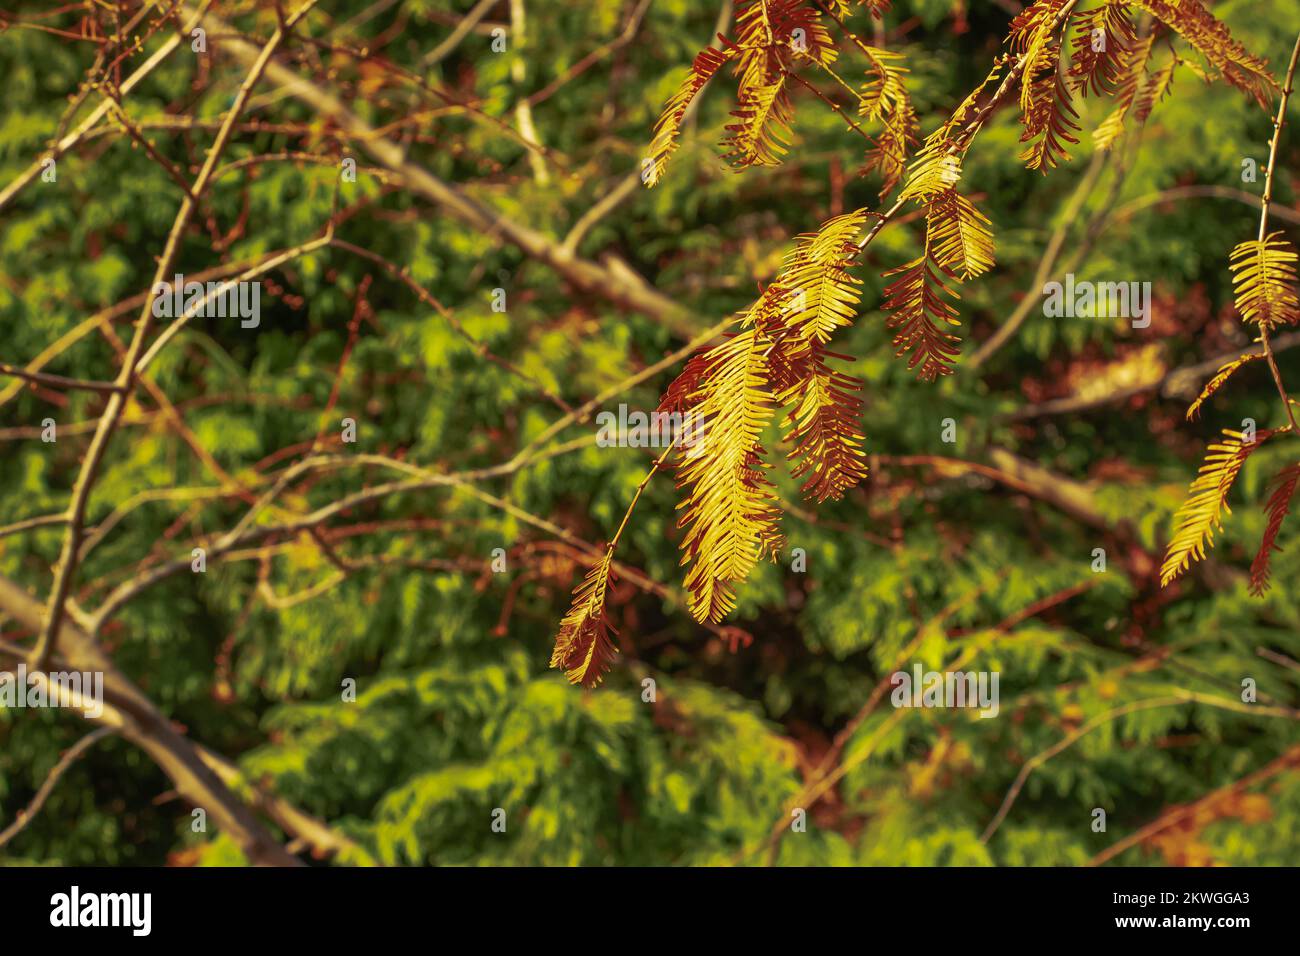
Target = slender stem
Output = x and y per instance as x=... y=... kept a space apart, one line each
x=58 y=381
x=66 y=568
x=613 y=542
x=829 y=102
x=1278 y=123
x=28 y=524
x=70 y=757
x=963 y=139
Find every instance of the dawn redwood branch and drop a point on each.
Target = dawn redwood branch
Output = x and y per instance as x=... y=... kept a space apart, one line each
x=246 y=533
x=67 y=564
x=592 y=552
x=631 y=183
x=1070 y=496
x=260 y=268
x=618 y=285
x=295 y=156
x=323 y=839
x=173 y=418
x=137 y=136
x=1043 y=756
x=1066 y=494
x=1278 y=124
x=131 y=82
x=972 y=128
x=1277 y=658
x=530 y=452
x=828 y=773
x=101 y=530
x=93 y=75
x=64 y=764
x=595 y=56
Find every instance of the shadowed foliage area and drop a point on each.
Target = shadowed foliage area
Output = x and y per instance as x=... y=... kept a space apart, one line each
x=528 y=432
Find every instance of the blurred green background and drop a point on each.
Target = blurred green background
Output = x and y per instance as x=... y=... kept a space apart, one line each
x=456 y=712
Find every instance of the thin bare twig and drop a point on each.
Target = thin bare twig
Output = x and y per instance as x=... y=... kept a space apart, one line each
x=68 y=558
x=64 y=764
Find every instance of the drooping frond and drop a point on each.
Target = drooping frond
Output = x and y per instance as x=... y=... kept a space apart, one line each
x=1210 y=37
x=1201 y=514
x=798 y=23
x=684 y=391
x=884 y=99
x=1048 y=122
x=1030 y=29
x=669 y=125
x=934 y=170
x=761 y=136
x=1102 y=37
x=819 y=295
x=1154 y=91
x=921 y=316
x=770 y=34
x=814 y=296
x=771 y=37
x=758 y=60
x=1222 y=375
x=729 y=510
x=825 y=412
x=1278 y=507
x=1132 y=67
x=1045 y=110
x=959 y=235
x=878 y=8
x=1264 y=278
x=583 y=647
x=1032 y=37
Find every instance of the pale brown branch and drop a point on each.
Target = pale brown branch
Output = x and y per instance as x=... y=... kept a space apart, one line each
x=28 y=524
x=1133 y=206
x=67 y=564
x=463 y=28
x=139 y=721
x=1038 y=759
